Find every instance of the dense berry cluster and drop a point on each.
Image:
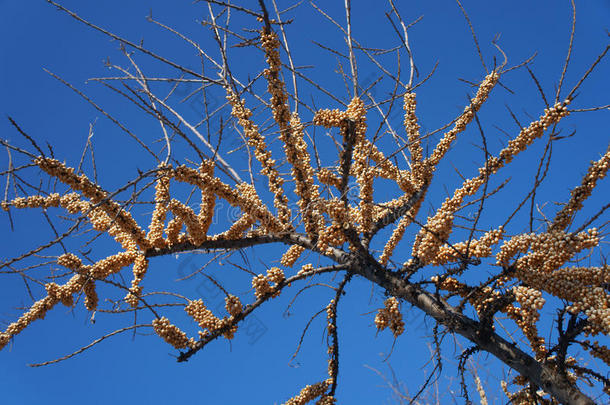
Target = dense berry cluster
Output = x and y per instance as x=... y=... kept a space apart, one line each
x=326 y=400
x=37 y=311
x=390 y=316
x=307 y=268
x=558 y=248
x=330 y=118
x=34 y=201
x=237 y=228
x=291 y=255
x=69 y=261
x=590 y=299
x=59 y=293
x=326 y=176
x=476 y=248
x=188 y=217
x=91 y=298
x=365 y=175
x=531 y=302
x=534 y=130
x=171 y=333
x=275 y=275
x=262 y=154
x=418 y=169
x=208 y=200
x=334 y=235
x=399 y=232
x=203 y=316
x=275 y=86
x=233 y=305
x=155 y=229
x=311 y=392
x=140 y=265
x=467 y=116
x=597 y=170
x=539 y=268
x=174 y=226
x=262 y=284
x=112 y=264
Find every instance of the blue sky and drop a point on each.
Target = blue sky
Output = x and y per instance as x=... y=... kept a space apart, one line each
x=256 y=368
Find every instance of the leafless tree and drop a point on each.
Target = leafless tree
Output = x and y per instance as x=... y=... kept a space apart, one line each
x=341 y=216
